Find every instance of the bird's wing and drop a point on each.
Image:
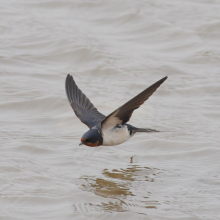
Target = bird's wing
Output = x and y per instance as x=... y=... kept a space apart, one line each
x=81 y=105
x=123 y=113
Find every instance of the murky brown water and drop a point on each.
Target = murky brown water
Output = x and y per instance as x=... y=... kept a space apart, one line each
x=114 y=50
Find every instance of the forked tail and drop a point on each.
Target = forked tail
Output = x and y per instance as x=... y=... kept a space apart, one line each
x=145 y=130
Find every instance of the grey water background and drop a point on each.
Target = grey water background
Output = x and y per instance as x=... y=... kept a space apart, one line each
x=114 y=50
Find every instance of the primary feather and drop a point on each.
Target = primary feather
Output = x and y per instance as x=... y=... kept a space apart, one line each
x=122 y=114
x=81 y=105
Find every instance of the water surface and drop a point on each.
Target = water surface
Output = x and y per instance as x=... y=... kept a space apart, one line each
x=114 y=50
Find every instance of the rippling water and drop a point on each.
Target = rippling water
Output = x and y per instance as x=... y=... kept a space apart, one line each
x=114 y=50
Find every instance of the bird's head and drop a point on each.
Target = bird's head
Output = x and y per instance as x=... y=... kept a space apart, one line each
x=92 y=138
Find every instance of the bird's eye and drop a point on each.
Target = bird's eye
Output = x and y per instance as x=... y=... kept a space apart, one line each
x=87 y=140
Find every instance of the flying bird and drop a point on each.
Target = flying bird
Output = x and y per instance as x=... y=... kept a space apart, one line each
x=110 y=130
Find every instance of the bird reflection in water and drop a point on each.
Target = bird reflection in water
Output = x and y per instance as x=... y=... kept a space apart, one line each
x=125 y=188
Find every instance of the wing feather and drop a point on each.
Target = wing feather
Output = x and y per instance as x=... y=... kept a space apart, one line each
x=123 y=113
x=81 y=105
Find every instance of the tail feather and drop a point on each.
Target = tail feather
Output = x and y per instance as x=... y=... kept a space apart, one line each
x=145 y=130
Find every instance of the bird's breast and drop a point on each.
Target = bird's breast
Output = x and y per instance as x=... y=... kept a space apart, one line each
x=115 y=136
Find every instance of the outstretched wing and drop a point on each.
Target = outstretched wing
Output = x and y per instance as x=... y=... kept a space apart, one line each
x=123 y=113
x=81 y=105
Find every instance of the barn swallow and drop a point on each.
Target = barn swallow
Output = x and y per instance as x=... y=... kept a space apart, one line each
x=110 y=130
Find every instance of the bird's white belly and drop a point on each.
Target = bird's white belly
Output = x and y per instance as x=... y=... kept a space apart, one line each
x=115 y=136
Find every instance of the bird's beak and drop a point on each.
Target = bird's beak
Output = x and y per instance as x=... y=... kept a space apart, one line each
x=81 y=143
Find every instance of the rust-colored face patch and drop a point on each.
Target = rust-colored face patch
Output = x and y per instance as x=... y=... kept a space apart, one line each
x=83 y=140
x=96 y=144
